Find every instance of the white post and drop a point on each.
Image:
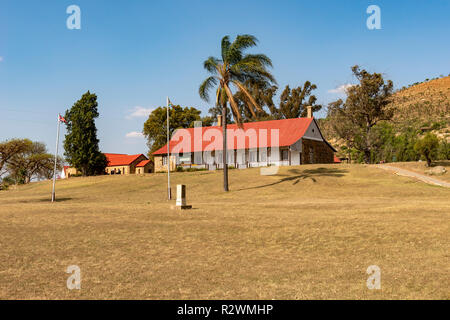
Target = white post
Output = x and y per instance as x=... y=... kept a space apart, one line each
x=168 y=153
x=56 y=159
x=181 y=198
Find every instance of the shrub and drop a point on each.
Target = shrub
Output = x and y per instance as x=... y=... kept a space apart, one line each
x=427 y=147
x=195 y=169
x=76 y=175
x=444 y=150
x=438 y=125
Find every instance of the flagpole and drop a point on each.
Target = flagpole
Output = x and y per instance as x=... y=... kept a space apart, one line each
x=169 y=192
x=56 y=159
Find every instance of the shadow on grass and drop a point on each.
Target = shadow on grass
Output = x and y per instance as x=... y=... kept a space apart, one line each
x=50 y=200
x=440 y=163
x=297 y=175
x=41 y=200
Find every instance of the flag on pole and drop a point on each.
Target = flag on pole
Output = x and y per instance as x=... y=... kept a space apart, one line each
x=56 y=155
x=169 y=104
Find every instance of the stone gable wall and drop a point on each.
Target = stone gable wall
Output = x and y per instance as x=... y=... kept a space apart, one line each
x=322 y=153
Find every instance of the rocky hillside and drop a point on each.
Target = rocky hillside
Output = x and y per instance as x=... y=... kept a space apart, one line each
x=422 y=106
x=426 y=105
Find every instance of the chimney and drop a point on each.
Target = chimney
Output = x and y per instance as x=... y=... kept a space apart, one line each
x=219 y=121
x=310 y=112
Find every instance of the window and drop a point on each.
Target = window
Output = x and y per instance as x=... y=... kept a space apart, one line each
x=253 y=156
x=240 y=156
x=230 y=157
x=198 y=157
x=164 y=158
x=219 y=157
x=311 y=155
x=284 y=155
x=263 y=154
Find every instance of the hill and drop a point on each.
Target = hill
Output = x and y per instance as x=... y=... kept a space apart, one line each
x=426 y=105
x=419 y=108
x=309 y=232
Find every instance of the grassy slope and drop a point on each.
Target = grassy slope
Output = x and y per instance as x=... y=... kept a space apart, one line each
x=308 y=232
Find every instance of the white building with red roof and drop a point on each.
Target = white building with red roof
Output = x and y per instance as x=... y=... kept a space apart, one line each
x=276 y=142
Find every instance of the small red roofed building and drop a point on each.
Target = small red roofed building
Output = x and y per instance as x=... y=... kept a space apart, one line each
x=119 y=163
x=145 y=166
x=128 y=164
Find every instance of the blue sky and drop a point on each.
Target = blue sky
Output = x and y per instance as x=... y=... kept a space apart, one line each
x=133 y=54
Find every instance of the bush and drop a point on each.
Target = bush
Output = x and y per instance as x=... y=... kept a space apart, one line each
x=438 y=125
x=7 y=182
x=427 y=147
x=195 y=169
x=444 y=150
x=76 y=175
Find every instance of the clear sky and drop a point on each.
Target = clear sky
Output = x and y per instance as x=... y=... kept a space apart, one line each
x=134 y=53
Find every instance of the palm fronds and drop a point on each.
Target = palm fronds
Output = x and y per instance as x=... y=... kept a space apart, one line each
x=237 y=68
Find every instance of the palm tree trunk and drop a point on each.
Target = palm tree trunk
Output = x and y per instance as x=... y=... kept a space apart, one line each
x=224 y=152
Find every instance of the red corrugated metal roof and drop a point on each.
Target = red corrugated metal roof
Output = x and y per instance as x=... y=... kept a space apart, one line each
x=337 y=160
x=116 y=159
x=290 y=131
x=142 y=163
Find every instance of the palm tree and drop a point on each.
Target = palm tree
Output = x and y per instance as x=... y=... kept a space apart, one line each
x=235 y=69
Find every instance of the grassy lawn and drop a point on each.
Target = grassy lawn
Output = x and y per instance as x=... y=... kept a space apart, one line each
x=420 y=167
x=309 y=232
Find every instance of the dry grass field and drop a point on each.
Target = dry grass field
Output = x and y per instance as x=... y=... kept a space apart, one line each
x=309 y=232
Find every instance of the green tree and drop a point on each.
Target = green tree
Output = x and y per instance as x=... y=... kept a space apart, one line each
x=26 y=160
x=365 y=106
x=444 y=150
x=404 y=145
x=293 y=102
x=216 y=111
x=263 y=94
x=81 y=143
x=33 y=162
x=155 y=128
x=234 y=69
x=10 y=149
x=427 y=147
x=392 y=144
